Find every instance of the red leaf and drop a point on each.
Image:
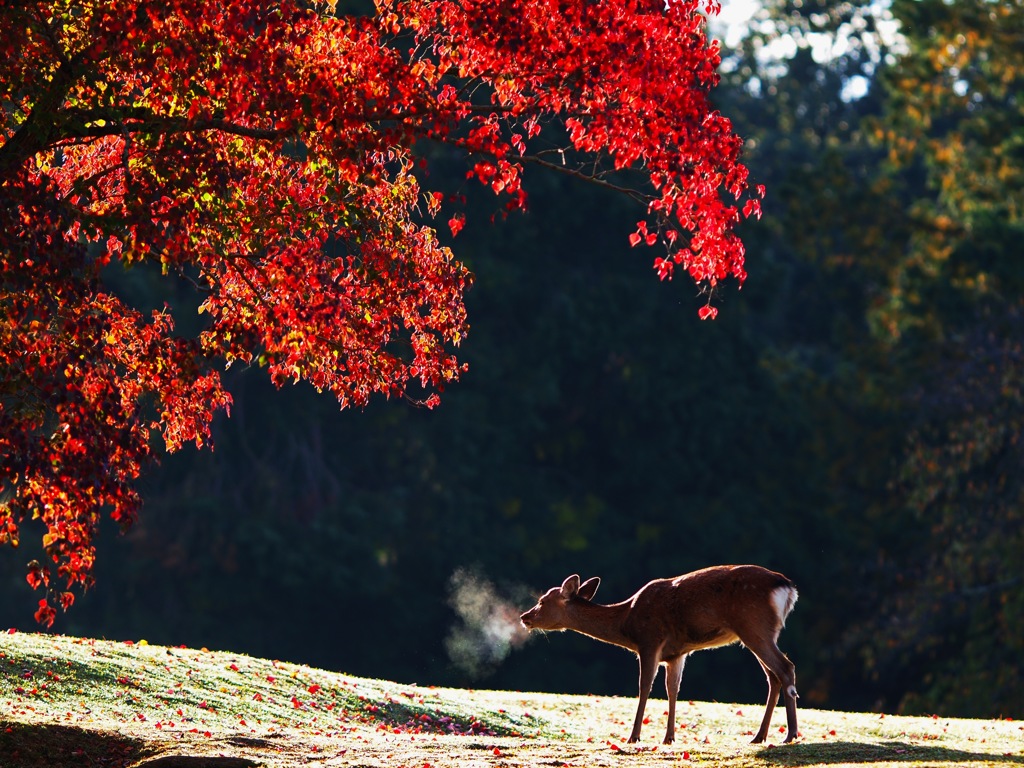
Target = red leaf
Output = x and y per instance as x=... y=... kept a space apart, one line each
x=707 y=312
x=223 y=185
x=46 y=614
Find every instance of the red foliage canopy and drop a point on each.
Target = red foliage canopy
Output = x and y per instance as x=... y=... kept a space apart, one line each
x=266 y=153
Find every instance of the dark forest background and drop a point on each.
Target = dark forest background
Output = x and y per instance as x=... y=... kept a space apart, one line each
x=852 y=418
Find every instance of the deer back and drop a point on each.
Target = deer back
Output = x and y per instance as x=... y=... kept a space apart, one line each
x=709 y=608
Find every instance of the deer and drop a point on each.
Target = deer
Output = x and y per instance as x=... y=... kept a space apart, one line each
x=668 y=619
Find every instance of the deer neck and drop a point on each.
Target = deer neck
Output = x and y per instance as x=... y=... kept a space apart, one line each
x=601 y=622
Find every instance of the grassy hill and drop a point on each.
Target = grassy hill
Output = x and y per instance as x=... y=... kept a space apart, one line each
x=76 y=702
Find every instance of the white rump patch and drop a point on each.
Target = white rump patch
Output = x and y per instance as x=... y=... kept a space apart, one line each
x=783 y=600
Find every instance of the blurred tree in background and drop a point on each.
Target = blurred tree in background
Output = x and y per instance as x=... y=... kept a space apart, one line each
x=852 y=418
x=949 y=308
x=900 y=219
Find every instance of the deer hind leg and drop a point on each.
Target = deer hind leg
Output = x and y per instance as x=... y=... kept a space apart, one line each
x=781 y=674
x=673 y=676
x=791 y=697
x=648 y=669
x=774 y=687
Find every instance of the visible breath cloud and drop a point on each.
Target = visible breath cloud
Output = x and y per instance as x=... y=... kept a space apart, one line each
x=488 y=627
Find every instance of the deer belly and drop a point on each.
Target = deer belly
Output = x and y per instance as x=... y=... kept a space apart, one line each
x=698 y=641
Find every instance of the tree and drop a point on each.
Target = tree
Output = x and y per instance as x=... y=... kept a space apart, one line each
x=909 y=215
x=950 y=309
x=273 y=157
x=801 y=111
x=952 y=134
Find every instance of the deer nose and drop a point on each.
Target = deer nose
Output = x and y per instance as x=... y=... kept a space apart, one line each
x=527 y=618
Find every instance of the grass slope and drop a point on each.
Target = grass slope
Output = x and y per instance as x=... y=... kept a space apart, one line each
x=73 y=702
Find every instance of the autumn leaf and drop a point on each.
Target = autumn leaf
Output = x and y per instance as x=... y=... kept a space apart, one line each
x=272 y=155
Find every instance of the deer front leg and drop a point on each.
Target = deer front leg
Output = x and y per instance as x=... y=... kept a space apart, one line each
x=648 y=669
x=673 y=676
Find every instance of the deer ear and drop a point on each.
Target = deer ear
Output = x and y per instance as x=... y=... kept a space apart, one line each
x=570 y=587
x=589 y=588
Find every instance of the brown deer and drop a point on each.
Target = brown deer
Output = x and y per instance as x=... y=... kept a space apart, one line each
x=668 y=619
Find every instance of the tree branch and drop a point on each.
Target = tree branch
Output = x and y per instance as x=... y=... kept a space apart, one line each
x=591 y=178
x=34 y=135
x=144 y=121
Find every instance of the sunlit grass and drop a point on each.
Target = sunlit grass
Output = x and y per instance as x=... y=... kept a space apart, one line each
x=109 y=703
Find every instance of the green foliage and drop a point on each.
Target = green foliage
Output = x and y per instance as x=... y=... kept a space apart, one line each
x=950 y=308
x=951 y=129
x=895 y=234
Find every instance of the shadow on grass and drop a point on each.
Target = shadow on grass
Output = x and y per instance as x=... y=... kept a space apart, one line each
x=59 y=746
x=62 y=746
x=810 y=753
